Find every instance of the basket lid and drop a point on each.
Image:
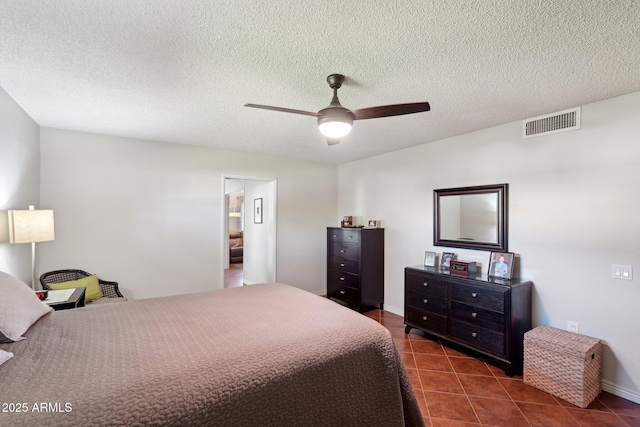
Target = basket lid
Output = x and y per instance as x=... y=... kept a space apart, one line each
x=562 y=341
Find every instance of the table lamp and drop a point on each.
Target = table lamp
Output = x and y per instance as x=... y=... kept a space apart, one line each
x=30 y=227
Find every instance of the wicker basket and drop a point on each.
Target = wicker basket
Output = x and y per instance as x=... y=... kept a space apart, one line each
x=564 y=364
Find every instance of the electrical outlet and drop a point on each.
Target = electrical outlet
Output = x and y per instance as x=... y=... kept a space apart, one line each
x=573 y=327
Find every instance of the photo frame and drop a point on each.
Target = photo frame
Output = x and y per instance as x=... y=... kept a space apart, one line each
x=374 y=223
x=501 y=265
x=257 y=211
x=429 y=259
x=445 y=260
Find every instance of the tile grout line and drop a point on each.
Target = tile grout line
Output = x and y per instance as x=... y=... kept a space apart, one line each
x=462 y=387
x=510 y=397
x=415 y=362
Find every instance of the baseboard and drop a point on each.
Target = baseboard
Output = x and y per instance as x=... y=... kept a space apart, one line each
x=394 y=310
x=622 y=392
x=321 y=293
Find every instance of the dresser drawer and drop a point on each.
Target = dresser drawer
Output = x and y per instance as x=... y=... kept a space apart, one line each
x=340 y=278
x=427 y=302
x=344 y=293
x=344 y=235
x=478 y=316
x=426 y=320
x=480 y=338
x=343 y=264
x=419 y=283
x=344 y=251
x=490 y=299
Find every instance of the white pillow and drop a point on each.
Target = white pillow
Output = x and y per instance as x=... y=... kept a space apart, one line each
x=4 y=356
x=19 y=308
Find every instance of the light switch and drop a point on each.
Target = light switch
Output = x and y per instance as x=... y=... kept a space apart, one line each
x=622 y=272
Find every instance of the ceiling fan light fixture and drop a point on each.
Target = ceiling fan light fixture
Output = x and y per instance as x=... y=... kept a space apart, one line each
x=334 y=128
x=335 y=121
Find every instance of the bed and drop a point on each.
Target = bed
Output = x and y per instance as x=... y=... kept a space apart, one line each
x=262 y=355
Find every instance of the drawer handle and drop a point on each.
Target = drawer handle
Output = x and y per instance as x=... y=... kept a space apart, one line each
x=473 y=334
x=342 y=251
x=474 y=295
x=335 y=235
x=424 y=317
x=425 y=301
x=351 y=237
x=342 y=292
x=342 y=264
x=425 y=284
x=342 y=278
x=474 y=314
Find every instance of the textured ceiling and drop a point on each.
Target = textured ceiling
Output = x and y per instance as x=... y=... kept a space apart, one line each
x=181 y=71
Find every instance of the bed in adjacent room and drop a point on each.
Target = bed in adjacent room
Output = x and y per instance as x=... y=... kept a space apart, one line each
x=268 y=355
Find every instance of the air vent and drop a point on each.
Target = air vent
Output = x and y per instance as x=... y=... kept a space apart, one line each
x=551 y=123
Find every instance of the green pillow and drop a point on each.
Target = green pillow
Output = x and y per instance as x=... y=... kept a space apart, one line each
x=93 y=291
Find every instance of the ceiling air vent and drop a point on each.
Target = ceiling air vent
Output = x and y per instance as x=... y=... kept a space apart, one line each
x=551 y=123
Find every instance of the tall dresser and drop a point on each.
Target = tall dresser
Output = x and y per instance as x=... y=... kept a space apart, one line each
x=355 y=266
x=488 y=315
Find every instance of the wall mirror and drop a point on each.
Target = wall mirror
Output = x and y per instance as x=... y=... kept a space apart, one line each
x=471 y=217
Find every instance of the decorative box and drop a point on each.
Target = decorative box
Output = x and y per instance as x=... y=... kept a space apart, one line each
x=347 y=221
x=462 y=268
x=564 y=364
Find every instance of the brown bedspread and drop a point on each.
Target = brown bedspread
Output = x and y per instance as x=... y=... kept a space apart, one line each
x=262 y=355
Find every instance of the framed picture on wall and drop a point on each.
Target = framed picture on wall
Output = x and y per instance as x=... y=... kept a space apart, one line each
x=501 y=265
x=257 y=211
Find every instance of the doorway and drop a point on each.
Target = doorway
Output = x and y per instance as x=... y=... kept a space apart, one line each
x=250 y=212
x=233 y=276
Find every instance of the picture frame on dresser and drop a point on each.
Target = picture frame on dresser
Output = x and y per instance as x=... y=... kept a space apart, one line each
x=501 y=265
x=429 y=259
x=445 y=260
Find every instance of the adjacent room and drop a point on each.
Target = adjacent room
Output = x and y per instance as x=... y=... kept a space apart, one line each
x=250 y=200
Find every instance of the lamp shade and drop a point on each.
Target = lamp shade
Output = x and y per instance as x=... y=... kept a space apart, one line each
x=31 y=226
x=335 y=129
x=335 y=121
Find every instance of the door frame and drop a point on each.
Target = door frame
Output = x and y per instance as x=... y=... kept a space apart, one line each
x=248 y=209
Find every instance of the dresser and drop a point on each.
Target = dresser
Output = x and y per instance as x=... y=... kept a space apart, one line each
x=355 y=266
x=487 y=315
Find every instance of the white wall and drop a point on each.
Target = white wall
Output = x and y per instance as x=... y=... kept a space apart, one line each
x=150 y=214
x=259 y=258
x=19 y=180
x=574 y=208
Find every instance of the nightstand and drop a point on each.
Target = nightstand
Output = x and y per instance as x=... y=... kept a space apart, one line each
x=75 y=300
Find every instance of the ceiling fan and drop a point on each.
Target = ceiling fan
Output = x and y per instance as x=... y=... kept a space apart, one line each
x=335 y=121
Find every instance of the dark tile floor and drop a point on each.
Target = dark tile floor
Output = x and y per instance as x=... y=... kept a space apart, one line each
x=457 y=390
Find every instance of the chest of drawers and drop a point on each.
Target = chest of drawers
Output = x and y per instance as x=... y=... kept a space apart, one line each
x=489 y=316
x=355 y=266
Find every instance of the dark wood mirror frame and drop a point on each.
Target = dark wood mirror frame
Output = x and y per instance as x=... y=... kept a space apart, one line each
x=501 y=245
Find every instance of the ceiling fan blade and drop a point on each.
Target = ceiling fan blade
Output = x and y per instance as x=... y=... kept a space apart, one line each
x=333 y=141
x=390 y=110
x=284 y=110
